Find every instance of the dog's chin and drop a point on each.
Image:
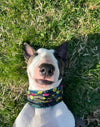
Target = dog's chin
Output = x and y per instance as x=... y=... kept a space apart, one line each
x=44 y=82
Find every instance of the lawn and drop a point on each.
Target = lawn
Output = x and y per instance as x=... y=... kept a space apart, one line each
x=48 y=23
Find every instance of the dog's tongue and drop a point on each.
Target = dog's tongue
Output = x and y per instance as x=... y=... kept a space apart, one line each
x=44 y=82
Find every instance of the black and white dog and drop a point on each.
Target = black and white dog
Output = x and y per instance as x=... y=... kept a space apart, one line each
x=45 y=107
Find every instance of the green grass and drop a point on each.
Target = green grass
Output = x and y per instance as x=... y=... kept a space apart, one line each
x=47 y=24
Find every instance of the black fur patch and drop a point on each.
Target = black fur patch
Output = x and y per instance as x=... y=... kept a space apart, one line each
x=61 y=64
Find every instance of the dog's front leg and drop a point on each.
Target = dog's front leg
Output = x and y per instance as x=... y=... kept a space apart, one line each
x=25 y=117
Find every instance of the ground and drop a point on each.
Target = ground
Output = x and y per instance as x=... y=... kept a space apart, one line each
x=47 y=24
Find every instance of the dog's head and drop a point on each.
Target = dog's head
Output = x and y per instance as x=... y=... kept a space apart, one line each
x=45 y=67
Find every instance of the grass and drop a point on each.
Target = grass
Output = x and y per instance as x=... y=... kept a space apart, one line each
x=47 y=24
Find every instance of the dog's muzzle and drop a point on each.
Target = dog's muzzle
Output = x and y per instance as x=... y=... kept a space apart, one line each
x=46 y=70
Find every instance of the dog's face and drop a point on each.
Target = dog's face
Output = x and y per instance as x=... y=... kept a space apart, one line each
x=45 y=67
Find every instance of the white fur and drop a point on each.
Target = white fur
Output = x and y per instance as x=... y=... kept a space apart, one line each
x=55 y=116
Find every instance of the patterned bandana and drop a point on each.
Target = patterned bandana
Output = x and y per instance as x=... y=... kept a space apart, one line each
x=42 y=99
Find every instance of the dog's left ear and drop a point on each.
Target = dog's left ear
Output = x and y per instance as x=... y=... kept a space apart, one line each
x=62 y=51
x=28 y=51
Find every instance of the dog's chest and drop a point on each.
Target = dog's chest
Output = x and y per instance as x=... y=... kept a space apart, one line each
x=55 y=116
x=43 y=118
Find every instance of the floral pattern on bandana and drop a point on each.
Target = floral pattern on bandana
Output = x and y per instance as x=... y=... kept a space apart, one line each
x=42 y=99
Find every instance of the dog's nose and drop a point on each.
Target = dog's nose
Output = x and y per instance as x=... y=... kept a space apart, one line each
x=46 y=70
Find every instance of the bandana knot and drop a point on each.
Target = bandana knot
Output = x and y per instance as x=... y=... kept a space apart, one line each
x=42 y=99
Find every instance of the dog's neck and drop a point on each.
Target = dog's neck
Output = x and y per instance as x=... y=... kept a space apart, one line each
x=47 y=98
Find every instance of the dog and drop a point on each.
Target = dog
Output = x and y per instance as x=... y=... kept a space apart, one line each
x=45 y=107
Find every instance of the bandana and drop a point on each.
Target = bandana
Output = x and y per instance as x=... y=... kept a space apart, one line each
x=48 y=98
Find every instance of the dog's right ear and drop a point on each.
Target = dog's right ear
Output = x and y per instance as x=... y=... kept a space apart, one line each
x=28 y=51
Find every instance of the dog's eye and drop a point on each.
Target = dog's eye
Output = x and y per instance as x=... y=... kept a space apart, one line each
x=35 y=54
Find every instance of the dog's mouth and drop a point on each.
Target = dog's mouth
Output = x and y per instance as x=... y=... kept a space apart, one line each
x=43 y=82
